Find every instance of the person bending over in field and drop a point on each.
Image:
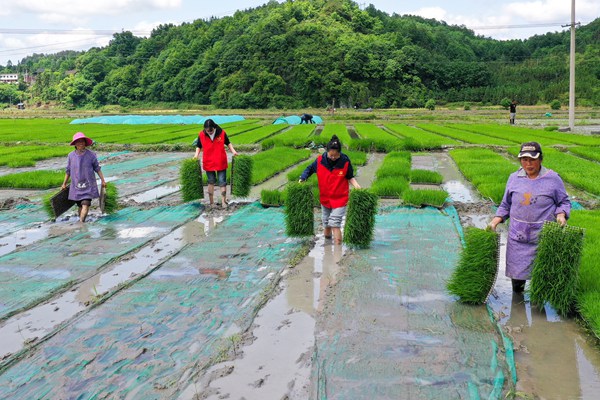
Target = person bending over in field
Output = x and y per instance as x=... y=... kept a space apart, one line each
x=212 y=141
x=334 y=171
x=81 y=166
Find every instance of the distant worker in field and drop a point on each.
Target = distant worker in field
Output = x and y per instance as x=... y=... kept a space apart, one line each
x=512 y=111
x=306 y=118
x=82 y=164
x=212 y=141
x=533 y=194
x=334 y=171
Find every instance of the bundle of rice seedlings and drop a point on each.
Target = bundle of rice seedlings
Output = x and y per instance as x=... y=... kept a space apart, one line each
x=389 y=187
x=425 y=197
x=299 y=217
x=48 y=205
x=111 y=200
x=473 y=279
x=425 y=176
x=241 y=182
x=271 y=198
x=555 y=274
x=190 y=176
x=360 y=219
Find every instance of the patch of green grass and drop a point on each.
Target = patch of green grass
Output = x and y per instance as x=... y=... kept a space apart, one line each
x=425 y=197
x=43 y=179
x=360 y=219
x=242 y=175
x=389 y=186
x=190 y=176
x=111 y=202
x=271 y=197
x=299 y=215
x=555 y=274
x=475 y=274
x=425 y=176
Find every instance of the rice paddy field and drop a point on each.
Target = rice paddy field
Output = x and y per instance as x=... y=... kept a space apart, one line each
x=167 y=298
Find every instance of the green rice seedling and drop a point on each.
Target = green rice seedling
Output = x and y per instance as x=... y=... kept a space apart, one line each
x=555 y=274
x=271 y=198
x=270 y=162
x=425 y=197
x=48 y=205
x=111 y=201
x=389 y=186
x=418 y=139
x=241 y=167
x=299 y=216
x=43 y=179
x=258 y=134
x=475 y=275
x=297 y=136
x=340 y=130
x=465 y=136
x=360 y=219
x=425 y=176
x=190 y=176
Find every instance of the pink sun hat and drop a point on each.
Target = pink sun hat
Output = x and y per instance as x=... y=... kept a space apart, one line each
x=81 y=135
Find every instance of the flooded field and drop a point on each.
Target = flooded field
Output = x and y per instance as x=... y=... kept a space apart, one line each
x=166 y=299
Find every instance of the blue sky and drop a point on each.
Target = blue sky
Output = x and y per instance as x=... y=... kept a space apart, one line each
x=26 y=26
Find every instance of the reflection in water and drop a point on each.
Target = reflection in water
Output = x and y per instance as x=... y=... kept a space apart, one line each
x=458 y=192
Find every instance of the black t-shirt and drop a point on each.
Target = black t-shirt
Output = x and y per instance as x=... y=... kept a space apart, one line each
x=513 y=108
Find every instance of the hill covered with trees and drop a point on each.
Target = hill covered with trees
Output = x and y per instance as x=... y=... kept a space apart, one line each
x=313 y=53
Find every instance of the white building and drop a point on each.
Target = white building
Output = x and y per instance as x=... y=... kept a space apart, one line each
x=9 y=78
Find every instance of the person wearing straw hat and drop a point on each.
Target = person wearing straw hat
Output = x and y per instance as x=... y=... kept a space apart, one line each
x=82 y=164
x=533 y=194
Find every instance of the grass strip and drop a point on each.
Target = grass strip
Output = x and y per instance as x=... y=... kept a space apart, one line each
x=425 y=197
x=242 y=175
x=43 y=179
x=555 y=275
x=360 y=219
x=299 y=216
x=190 y=176
x=475 y=274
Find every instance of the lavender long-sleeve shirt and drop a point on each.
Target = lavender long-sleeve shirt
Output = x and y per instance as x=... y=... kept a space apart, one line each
x=82 y=169
x=528 y=203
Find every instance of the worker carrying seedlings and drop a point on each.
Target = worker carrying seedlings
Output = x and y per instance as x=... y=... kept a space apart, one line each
x=212 y=141
x=81 y=166
x=533 y=194
x=334 y=171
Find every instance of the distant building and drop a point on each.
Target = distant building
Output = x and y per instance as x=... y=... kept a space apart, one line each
x=9 y=78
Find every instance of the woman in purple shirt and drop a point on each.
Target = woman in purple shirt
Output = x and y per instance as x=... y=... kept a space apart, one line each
x=533 y=194
x=81 y=166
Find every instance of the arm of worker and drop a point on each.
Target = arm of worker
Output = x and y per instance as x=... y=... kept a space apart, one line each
x=311 y=169
x=64 y=185
x=101 y=175
x=197 y=155
x=230 y=146
x=354 y=183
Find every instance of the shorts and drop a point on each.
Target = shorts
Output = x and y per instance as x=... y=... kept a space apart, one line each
x=512 y=115
x=212 y=177
x=83 y=202
x=332 y=217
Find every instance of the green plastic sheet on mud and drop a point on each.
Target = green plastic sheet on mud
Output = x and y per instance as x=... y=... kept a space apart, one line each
x=72 y=253
x=389 y=329
x=22 y=216
x=149 y=340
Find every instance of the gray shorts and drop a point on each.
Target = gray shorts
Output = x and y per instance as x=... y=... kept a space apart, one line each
x=513 y=115
x=212 y=177
x=332 y=217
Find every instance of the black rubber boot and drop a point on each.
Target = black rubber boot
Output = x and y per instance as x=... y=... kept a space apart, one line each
x=518 y=285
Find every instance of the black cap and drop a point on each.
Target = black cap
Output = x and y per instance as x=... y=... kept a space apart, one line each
x=531 y=150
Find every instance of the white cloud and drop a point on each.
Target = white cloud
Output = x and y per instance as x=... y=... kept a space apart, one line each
x=546 y=11
x=69 y=10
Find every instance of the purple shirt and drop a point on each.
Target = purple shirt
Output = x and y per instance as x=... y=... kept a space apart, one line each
x=528 y=203
x=82 y=169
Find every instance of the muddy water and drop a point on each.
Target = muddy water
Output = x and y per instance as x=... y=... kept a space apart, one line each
x=454 y=183
x=37 y=322
x=276 y=361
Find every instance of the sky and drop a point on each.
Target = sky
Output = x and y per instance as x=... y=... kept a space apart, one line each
x=49 y=26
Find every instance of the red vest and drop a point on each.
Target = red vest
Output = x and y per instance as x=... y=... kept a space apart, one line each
x=333 y=185
x=214 y=158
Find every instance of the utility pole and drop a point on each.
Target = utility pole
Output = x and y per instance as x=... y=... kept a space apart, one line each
x=572 y=72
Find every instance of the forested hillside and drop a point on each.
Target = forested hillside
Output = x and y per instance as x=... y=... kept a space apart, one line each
x=315 y=52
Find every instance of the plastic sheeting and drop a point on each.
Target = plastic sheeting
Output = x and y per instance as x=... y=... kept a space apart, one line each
x=147 y=341
x=295 y=120
x=158 y=119
x=390 y=330
x=35 y=272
